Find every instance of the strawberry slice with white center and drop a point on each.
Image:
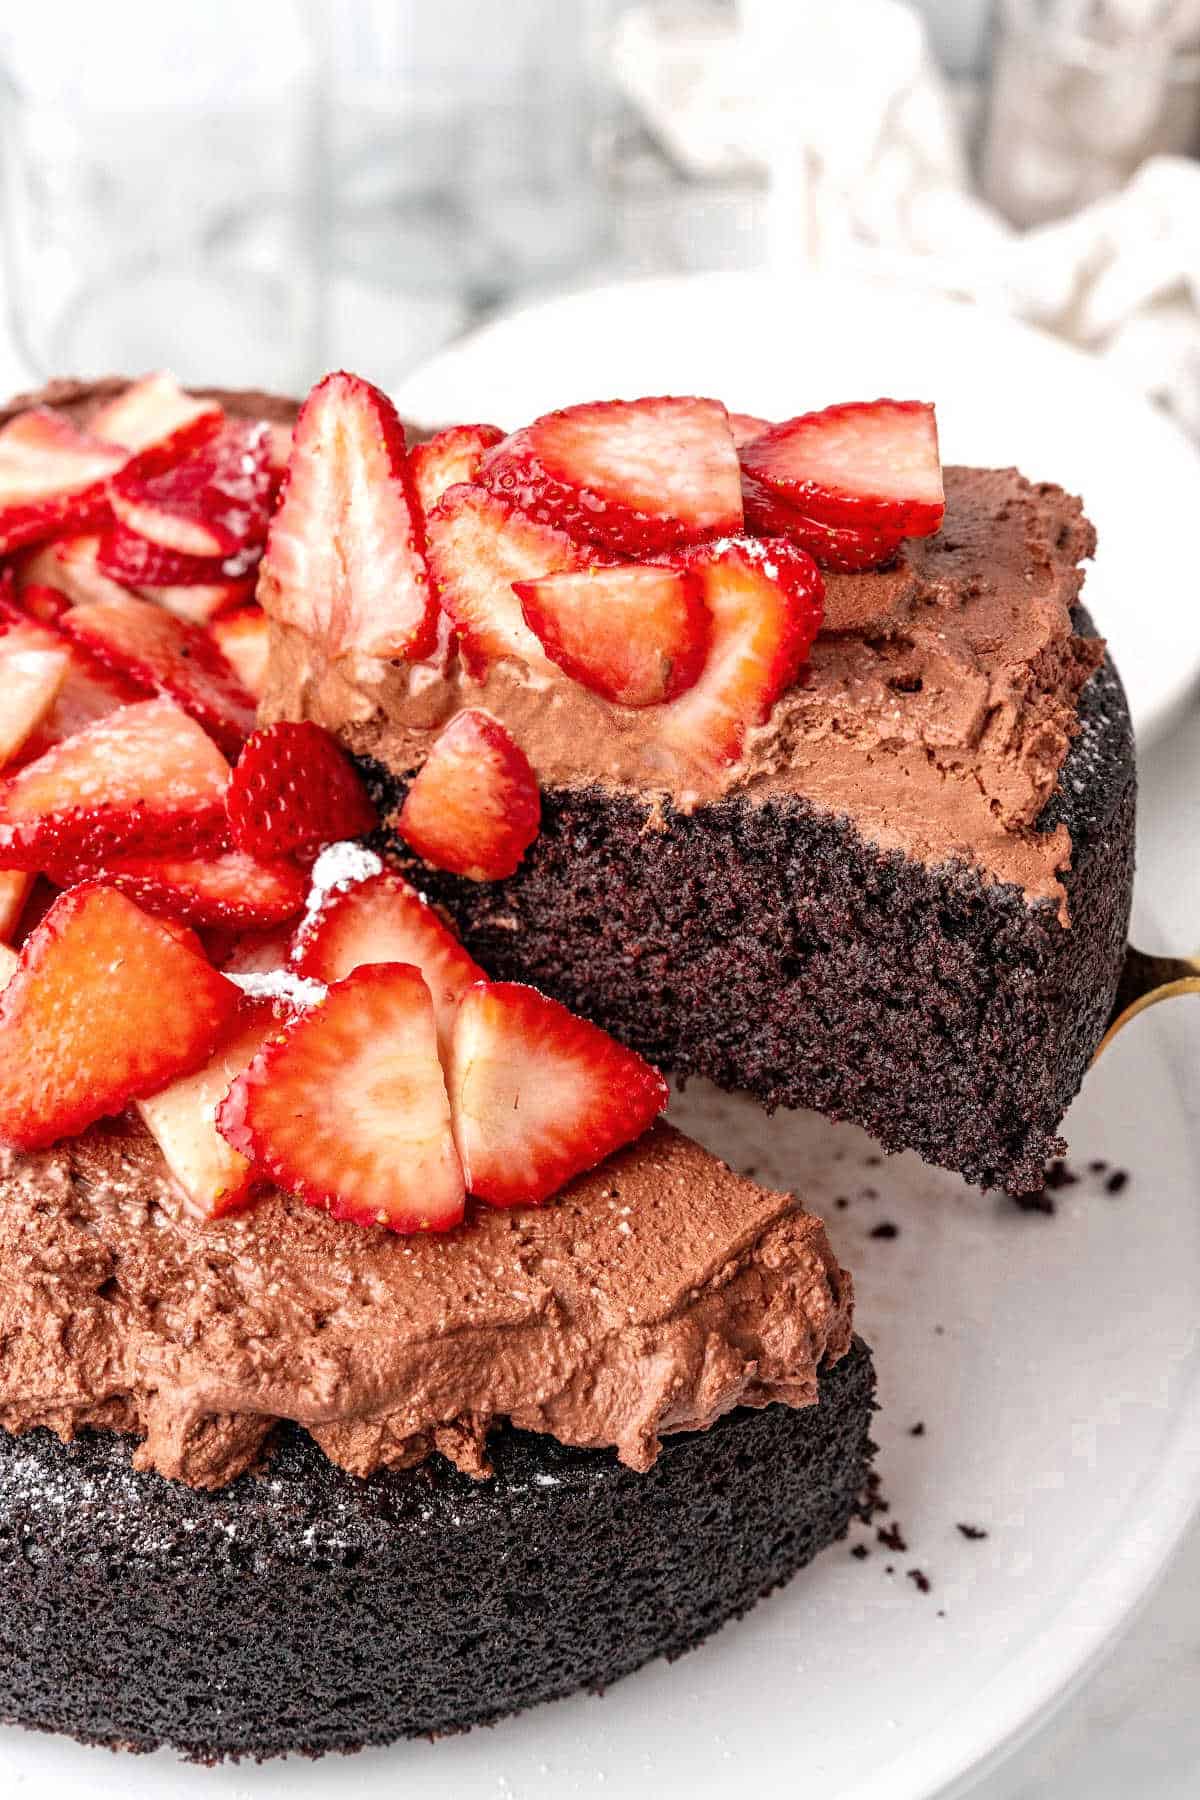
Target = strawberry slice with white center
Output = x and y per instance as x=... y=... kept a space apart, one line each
x=182 y=1117
x=473 y=807
x=383 y=920
x=293 y=789
x=242 y=638
x=71 y=566
x=14 y=892
x=746 y=426
x=345 y=560
x=145 y=780
x=9 y=963
x=106 y=1005
x=872 y=464
x=635 y=476
x=53 y=477
x=201 y=602
x=263 y=952
x=88 y=692
x=135 y=562
x=765 y=598
x=226 y=889
x=170 y=655
x=637 y=635
x=844 y=549
x=214 y=503
x=156 y=421
x=449 y=457
x=279 y=448
x=347 y=1107
x=538 y=1095
x=478 y=546
x=30 y=683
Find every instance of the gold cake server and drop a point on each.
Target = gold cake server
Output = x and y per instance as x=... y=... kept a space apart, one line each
x=1145 y=980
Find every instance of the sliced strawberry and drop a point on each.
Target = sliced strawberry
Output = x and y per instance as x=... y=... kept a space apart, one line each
x=765 y=598
x=479 y=545
x=214 y=503
x=181 y=1117
x=135 y=562
x=366 y=1058
x=106 y=1005
x=200 y=604
x=30 y=683
x=293 y=788
x=635 y=476
x=45 y=604
x=226 y=889
x=279 y=448
x=242 y=637
x=156 y=421
x=538 y=1095
x=14 y=892
x=637 y=635
x=9 y=963
x=89 y=691
x=872 y=464
x=473 y=807
x=257 y=952
x=846 y=549
x=147 y=779
x=448 y=457
x=71 y=566
x=345 y=559
x=384 y=920
x=162 y=652
x=52 y=477
x=746 y=426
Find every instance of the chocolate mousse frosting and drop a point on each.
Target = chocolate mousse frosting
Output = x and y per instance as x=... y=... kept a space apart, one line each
x=655 y=1294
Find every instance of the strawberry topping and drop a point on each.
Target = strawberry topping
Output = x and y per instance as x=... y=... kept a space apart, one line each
x=30 y=683
x=156 y=421
x=293 y=789
x=473 y=807
x=214 y=503
x=14 y=892
x=449 y=457
x=872 y=464
x=135 y=562
x=844 y=549
x=225 y=889
x=52 y=477
x=243 y=641
x=636 y=635
x=538 y=1095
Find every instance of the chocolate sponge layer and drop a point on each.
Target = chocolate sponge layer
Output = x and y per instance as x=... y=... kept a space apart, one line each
x=772 y=948
x=309 y=1610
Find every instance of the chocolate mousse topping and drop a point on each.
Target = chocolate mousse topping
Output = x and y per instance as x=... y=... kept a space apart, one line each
x=655 y=1294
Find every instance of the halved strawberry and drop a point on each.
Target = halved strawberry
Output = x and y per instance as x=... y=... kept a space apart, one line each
x=14 y=892
x=845 y=549
x=638 y=635
x=537 y=1095
x=872 y=464
x=293 y=788
x=147 y=779
x=163 y=652
x=384 y=920
x=347 y=1108
x=345 y=559
x=52 y=477
x=746 y=426
x=448 y=457
x=765 y=598
x=30 y=683
x=478 y=546
x=473 y=807
x=228 y=888
x=214 y=503
x=635 y=476
x=106 y=1005
x=71 y=566
x=243 y=639
x=181 y=1117
x=156 y=421
x=136 y=562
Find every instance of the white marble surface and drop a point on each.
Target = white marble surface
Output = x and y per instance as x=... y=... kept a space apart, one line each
x=1133 y=1728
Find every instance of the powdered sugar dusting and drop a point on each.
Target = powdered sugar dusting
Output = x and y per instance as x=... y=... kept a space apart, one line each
x=282 y=984
x=339 y=866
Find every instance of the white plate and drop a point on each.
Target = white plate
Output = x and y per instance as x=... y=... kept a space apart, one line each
x=1055 y=1365
x=1005 y=394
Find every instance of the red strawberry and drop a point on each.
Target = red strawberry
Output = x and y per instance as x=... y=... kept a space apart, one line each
x=225 y=889
x=9 y=962
x=279 y=447
x=45 y=604
x=846 y=549
x=181 y=1117
x=243 y=640
x=89 y=692
x=140 y=640
x=347 y=1108
x=293 y=788
x=135 y=562
x=52 y=477
x=156 y=421
x=214 y=503
x=202 y=602
x=145 y=780
x=382 y=920
x=637 y=635
x=538 y=1095
x=479 y=545
x=765 y=598
x=448 y=457
x=70 y=566
x=635 y=476
x=746 y=426
x=14 y=892
x=30 y=683
x=106 y=1005
x=345 y=560
x=473 y=807
x=872 y=464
